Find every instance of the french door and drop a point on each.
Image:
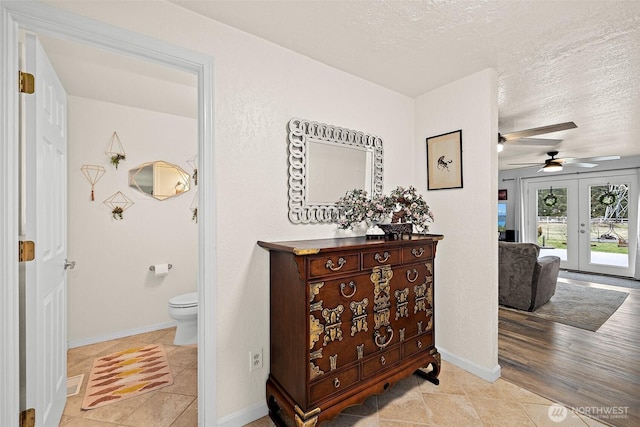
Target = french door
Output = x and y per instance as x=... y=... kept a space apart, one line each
x=590 y=222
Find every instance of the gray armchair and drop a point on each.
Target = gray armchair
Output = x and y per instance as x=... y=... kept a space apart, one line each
x=525 y=281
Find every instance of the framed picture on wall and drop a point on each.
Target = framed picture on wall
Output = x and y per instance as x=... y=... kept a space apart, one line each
x=502 y=194
x=444 y=161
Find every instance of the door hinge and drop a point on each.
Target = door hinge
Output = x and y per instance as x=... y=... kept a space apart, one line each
x=27 y=82
x=28 y=418
x=26 y=250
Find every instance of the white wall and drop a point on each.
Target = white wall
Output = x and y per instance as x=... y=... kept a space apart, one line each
x=259 y=87
x=111 y=290
x=466 y=264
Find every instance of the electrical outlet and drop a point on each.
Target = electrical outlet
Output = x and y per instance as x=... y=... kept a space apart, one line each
x=255 y=360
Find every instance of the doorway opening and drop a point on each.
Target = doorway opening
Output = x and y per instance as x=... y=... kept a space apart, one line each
x=42 y=19
x=114 y=301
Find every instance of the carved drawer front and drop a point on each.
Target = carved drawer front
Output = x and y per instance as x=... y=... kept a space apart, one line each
x=412 y=298
x=340 y=322
x=380 y=257
x=325 y=265
x=334 y=383
x=417 y=344
x=380 y=361
x=345 y=289
x=417 y=253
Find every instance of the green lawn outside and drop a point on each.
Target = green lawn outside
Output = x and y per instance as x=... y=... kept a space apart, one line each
x=554 y=234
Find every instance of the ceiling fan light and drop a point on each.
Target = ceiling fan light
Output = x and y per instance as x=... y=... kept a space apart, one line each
x=552 y=167
x=500 y=146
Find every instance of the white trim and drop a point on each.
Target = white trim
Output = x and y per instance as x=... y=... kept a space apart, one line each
x=120 y=334
x=244 y=416
x=207 y=261
x=41 y=18
x=490 y=375
x=9 y=321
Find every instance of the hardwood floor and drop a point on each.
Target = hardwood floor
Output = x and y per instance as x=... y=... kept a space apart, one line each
x=589 y=371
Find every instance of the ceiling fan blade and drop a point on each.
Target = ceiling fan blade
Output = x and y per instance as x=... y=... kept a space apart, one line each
x=538 y=131
x=535 y=141
x=599 y=159
x=525 y=164
x=581 y=164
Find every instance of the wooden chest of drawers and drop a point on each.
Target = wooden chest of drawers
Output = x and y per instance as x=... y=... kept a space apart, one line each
x=349 y=318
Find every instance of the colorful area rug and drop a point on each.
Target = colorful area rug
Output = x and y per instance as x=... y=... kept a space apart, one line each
x=127 y=374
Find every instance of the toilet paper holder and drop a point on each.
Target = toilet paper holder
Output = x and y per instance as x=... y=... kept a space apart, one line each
x=153 y=267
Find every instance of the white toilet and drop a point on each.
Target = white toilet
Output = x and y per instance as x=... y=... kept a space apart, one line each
x=184 y=309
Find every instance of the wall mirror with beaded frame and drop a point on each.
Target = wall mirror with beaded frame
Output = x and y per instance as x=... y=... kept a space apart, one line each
x=326 y=161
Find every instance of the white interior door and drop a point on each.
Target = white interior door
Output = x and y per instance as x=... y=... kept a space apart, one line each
x=44 y=327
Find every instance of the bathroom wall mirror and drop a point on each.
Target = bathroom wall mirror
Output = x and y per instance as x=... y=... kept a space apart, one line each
x=159 y=179
x=325 y=162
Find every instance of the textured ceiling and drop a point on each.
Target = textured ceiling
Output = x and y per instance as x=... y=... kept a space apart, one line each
x=557 y=61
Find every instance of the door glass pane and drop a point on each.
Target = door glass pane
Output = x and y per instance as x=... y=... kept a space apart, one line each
x=609 y=224
x=552 y=221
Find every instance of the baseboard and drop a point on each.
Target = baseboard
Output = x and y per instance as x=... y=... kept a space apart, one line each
x=244 y=416
x=120 y=334
x=490 y=375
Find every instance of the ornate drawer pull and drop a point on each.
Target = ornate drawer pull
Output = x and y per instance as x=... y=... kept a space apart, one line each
x=383 y=361
x=414 y=272
x=336 y=382
x=382 y=341
x=352 y=285
x=382 y=260
x=419 y=344
x=417 y=252
x=341 y=263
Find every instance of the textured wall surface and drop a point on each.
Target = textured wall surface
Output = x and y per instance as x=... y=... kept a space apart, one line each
x=259 y=87
x=466 y=264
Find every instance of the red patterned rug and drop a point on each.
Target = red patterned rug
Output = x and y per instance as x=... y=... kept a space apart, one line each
x=127 y=374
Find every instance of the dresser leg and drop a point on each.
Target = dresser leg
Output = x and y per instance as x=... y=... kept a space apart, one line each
x=286 y=413
x=429 y=376
x=274 y=412
x=431 y=371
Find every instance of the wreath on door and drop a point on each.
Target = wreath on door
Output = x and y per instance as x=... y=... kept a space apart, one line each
x=608 y=198
x=550 y=200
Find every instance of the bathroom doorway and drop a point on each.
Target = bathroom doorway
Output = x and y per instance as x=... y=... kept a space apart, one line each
x=149 y=112
x=114 y=300
x=40 y=18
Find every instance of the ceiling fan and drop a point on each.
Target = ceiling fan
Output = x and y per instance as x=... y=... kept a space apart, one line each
x=552 y=164
x=522 y=137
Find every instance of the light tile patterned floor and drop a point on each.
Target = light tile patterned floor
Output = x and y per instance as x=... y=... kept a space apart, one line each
x=460 y=400
x=172 y=406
